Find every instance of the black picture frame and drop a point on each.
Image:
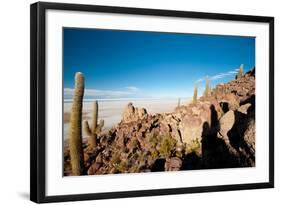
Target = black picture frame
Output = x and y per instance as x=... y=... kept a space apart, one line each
x=38 y=100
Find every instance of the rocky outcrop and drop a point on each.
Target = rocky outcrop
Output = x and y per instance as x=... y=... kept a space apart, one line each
x=226 y=123
x=216 y=131
x=132 y=113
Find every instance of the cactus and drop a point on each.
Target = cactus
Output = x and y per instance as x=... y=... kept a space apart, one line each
x=194 y=100
x=75 y=134
x=92 y=131
x=240 y=72
x=207 y=88
x=179 y=102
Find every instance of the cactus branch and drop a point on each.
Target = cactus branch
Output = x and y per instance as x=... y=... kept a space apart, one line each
x=99 y=127
x=87 y=129
x=95 y=128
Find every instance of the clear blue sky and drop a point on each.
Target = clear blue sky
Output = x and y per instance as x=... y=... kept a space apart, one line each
x=126 y=64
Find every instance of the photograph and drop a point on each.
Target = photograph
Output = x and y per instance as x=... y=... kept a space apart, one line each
x=142 y=101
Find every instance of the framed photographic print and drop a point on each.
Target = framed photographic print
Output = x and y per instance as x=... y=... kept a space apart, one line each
x=129 y=102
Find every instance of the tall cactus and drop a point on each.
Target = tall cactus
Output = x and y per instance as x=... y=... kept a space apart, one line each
x=240 y=72
x=75 y=132
x=92 y=131
x=194 y=100
x=179 y=102
x=207 y=88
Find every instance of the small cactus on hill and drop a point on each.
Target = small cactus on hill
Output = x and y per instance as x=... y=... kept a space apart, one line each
x=194 y=100
x=240 y=72
x=92 y=131
x=75 y=133
x=207 y=88
x=179 y=102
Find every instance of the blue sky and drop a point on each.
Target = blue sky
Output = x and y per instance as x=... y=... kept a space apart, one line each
x=136 y=64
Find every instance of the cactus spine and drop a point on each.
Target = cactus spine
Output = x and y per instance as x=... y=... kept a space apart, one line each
x=92 y=131
x=194 y=100
x=75 y=134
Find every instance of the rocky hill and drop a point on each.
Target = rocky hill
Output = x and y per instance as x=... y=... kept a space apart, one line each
x=216 y=131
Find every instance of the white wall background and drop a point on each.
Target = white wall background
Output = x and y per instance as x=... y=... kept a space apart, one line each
x=14 y=100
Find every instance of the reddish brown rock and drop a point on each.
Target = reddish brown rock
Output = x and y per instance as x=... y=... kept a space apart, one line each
x=133 y=114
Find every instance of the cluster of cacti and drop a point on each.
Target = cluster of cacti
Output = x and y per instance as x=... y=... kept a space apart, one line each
x=240 y=72
x=75 y=132
x=194 y=100
x=207 y=88
x=92 y=131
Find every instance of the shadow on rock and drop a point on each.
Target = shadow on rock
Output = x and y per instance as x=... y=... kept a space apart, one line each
x=191 y=162
x=215 y=153
x=159 y=165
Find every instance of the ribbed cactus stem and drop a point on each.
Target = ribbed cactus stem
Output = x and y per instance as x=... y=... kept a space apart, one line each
x=194 y=100
x=93 y=137
x=207 y=89
x=241 y=70
x=95 y=116
x=92 y=131
x=75 y=133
